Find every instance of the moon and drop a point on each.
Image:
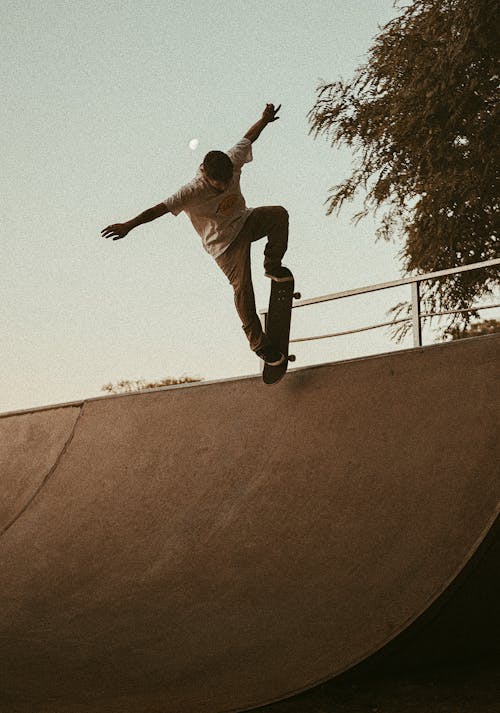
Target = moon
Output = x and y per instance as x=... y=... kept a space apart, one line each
x=193 y=144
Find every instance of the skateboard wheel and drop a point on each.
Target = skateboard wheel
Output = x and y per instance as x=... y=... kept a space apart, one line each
x=291 y=357
x=297 y=295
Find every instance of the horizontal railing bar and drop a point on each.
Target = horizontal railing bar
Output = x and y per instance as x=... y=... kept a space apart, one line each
x=390 y=324
x=457 y=311
x=393 y=283
x=351 y=331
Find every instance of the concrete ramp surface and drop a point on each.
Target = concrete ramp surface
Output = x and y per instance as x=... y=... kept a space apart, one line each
x=215 y=547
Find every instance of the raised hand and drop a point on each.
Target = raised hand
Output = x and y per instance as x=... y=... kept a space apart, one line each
x=117 y=231
x=269 y=113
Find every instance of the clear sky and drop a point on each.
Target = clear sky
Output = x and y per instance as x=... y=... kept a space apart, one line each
x=99 y=103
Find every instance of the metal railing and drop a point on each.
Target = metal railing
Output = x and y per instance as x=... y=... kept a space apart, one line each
x=416 y=314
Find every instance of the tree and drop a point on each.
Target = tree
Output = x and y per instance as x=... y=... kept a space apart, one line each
x=127 y=386
x=476 y=329
x=421 y=117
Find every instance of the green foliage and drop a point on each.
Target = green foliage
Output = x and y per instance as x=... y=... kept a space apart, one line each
x=421 y=118
x=127 y=386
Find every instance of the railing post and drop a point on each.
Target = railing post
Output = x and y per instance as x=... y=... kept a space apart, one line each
x=415 y=314
x=263 y=321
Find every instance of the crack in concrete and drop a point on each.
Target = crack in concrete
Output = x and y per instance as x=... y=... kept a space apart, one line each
x=48 y=475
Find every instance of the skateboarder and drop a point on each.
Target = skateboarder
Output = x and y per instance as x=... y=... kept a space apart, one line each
x=215 y=205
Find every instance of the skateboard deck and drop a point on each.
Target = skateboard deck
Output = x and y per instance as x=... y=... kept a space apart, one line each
x=278 y=327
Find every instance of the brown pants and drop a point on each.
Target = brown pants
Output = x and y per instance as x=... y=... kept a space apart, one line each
x=235 y=264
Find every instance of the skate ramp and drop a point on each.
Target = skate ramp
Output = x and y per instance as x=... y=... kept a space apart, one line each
x=212 y=548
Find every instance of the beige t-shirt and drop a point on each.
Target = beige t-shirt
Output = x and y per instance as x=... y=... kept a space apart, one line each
x=216 y=217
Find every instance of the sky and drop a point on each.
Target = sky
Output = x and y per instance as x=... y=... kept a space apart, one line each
x=100 y=102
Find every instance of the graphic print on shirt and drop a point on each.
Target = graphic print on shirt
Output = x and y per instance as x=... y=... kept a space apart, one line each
x=227 y=204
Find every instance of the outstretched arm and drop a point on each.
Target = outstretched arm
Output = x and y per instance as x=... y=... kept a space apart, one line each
x=117 y=231
x=268 y=116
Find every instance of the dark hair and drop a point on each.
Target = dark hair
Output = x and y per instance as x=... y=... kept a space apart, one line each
x=218 y=166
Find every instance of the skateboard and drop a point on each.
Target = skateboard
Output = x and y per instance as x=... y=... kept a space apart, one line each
x=277 y=327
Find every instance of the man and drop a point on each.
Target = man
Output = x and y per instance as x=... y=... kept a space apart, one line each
x=215 y=205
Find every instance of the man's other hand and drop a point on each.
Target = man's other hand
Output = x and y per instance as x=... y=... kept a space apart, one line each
x=117 y=231
x=269 y=113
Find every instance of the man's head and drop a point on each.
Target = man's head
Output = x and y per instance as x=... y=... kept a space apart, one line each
x=218 y=169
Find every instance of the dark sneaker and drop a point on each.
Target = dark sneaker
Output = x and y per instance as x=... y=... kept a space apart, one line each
x=279 y=273
x=271 y=356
